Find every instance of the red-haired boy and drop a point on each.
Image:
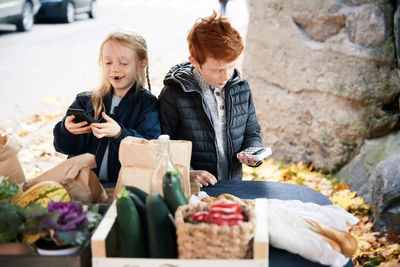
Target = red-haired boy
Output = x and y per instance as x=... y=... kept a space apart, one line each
x=206 y=102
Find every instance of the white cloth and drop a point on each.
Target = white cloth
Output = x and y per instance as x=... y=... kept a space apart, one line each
x=287 y=230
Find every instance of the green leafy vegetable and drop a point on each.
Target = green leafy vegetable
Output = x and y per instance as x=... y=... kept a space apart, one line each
x=11 y=220
x=7 y=190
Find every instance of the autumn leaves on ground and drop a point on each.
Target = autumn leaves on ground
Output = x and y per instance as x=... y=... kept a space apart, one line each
x=374 y=249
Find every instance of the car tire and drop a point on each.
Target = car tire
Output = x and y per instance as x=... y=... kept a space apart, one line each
x=25 y=23
x=69 y=13
x=93 y=10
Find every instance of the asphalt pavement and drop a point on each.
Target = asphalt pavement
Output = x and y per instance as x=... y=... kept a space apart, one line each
x=43 y=69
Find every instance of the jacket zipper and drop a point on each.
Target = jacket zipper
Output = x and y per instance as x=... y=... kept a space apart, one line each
x=229 y=136
x=98 y=146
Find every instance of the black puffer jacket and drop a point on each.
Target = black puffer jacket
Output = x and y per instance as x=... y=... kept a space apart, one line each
x=184 y=115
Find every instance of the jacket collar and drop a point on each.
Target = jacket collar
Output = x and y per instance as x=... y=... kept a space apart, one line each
x=183 y=74
x=130 y=96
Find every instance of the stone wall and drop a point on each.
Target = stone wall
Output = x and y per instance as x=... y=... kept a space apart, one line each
x=375 y=175
x=323 y=76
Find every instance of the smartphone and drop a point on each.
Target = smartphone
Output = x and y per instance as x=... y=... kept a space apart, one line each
x=80 y=115
x=257 y=153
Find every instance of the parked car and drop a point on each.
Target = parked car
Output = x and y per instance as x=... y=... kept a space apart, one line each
x=65 y=10
x=19 y=12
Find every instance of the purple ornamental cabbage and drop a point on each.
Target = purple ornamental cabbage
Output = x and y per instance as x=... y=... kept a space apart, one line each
x=67 y=223
x=71 y=215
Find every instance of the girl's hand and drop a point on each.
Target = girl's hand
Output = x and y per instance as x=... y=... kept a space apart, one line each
x=110 y=128
x=76 y=128
x=247 y=159
x=204 y=178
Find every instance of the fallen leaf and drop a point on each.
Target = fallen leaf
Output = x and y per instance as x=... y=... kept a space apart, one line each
x=51 y=100
x=391 y=237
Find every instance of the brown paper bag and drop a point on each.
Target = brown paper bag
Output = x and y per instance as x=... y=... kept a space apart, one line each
x=78 y=178
x=138 y=159
x=9 y=163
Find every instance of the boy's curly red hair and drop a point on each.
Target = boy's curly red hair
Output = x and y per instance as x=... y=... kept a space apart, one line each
x=214 y=37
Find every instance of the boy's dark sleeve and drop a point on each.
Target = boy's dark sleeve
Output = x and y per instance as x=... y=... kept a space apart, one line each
x=169 y=116
x=66 y=142
x=252 y=133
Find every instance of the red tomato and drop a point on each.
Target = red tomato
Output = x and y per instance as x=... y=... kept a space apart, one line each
x=225 y=212
x=200 y=216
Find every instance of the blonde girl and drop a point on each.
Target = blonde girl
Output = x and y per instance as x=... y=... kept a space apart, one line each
x=121 y=106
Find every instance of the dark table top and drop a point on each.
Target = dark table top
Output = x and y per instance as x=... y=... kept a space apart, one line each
x=274 y=190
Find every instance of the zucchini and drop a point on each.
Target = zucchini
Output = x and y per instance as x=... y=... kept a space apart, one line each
x=138 y=192
x=141 y=208
x=129 y=228
x=172 y=190
x=161 y=230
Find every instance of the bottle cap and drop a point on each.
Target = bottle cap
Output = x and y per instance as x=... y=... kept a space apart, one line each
x=163 y=138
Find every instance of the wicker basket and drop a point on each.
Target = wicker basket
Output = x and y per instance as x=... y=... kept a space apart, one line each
x=210 y=241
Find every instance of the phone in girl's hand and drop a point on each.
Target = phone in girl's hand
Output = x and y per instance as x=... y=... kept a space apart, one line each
x=80 y=115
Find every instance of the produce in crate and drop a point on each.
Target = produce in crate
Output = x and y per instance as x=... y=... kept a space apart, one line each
x=221 y=212
x=138 y=197
x=8 y=191
x=213 y=241
x=199 y=217
x=141 y=209
x=11 y=219
x=145 y=229
x=43 y=193
x=138 y=192
x=172 y=189
x=129 y=226
x=161 y=228
x=208 y=200
x=164 y=166
x=62 y=224
x=231 y=197
x=226 y=212
x=236 y=199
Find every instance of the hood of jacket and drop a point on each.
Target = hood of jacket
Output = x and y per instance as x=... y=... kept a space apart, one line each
x=182 y=74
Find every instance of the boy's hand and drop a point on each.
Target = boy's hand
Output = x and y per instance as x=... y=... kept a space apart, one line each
x=247 y=159
x=76 y=128
x=110 y=128
x=204 y=178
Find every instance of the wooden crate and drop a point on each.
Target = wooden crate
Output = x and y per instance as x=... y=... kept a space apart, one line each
x=104 y=245
x=81 y=259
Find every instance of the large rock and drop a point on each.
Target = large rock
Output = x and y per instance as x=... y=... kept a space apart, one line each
x=323 y=76
x=370 y=25
x=375 y=175
x=319 y=19
x=362 y=2
x=386 y=195
x=360 y=172
x=359 y=176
